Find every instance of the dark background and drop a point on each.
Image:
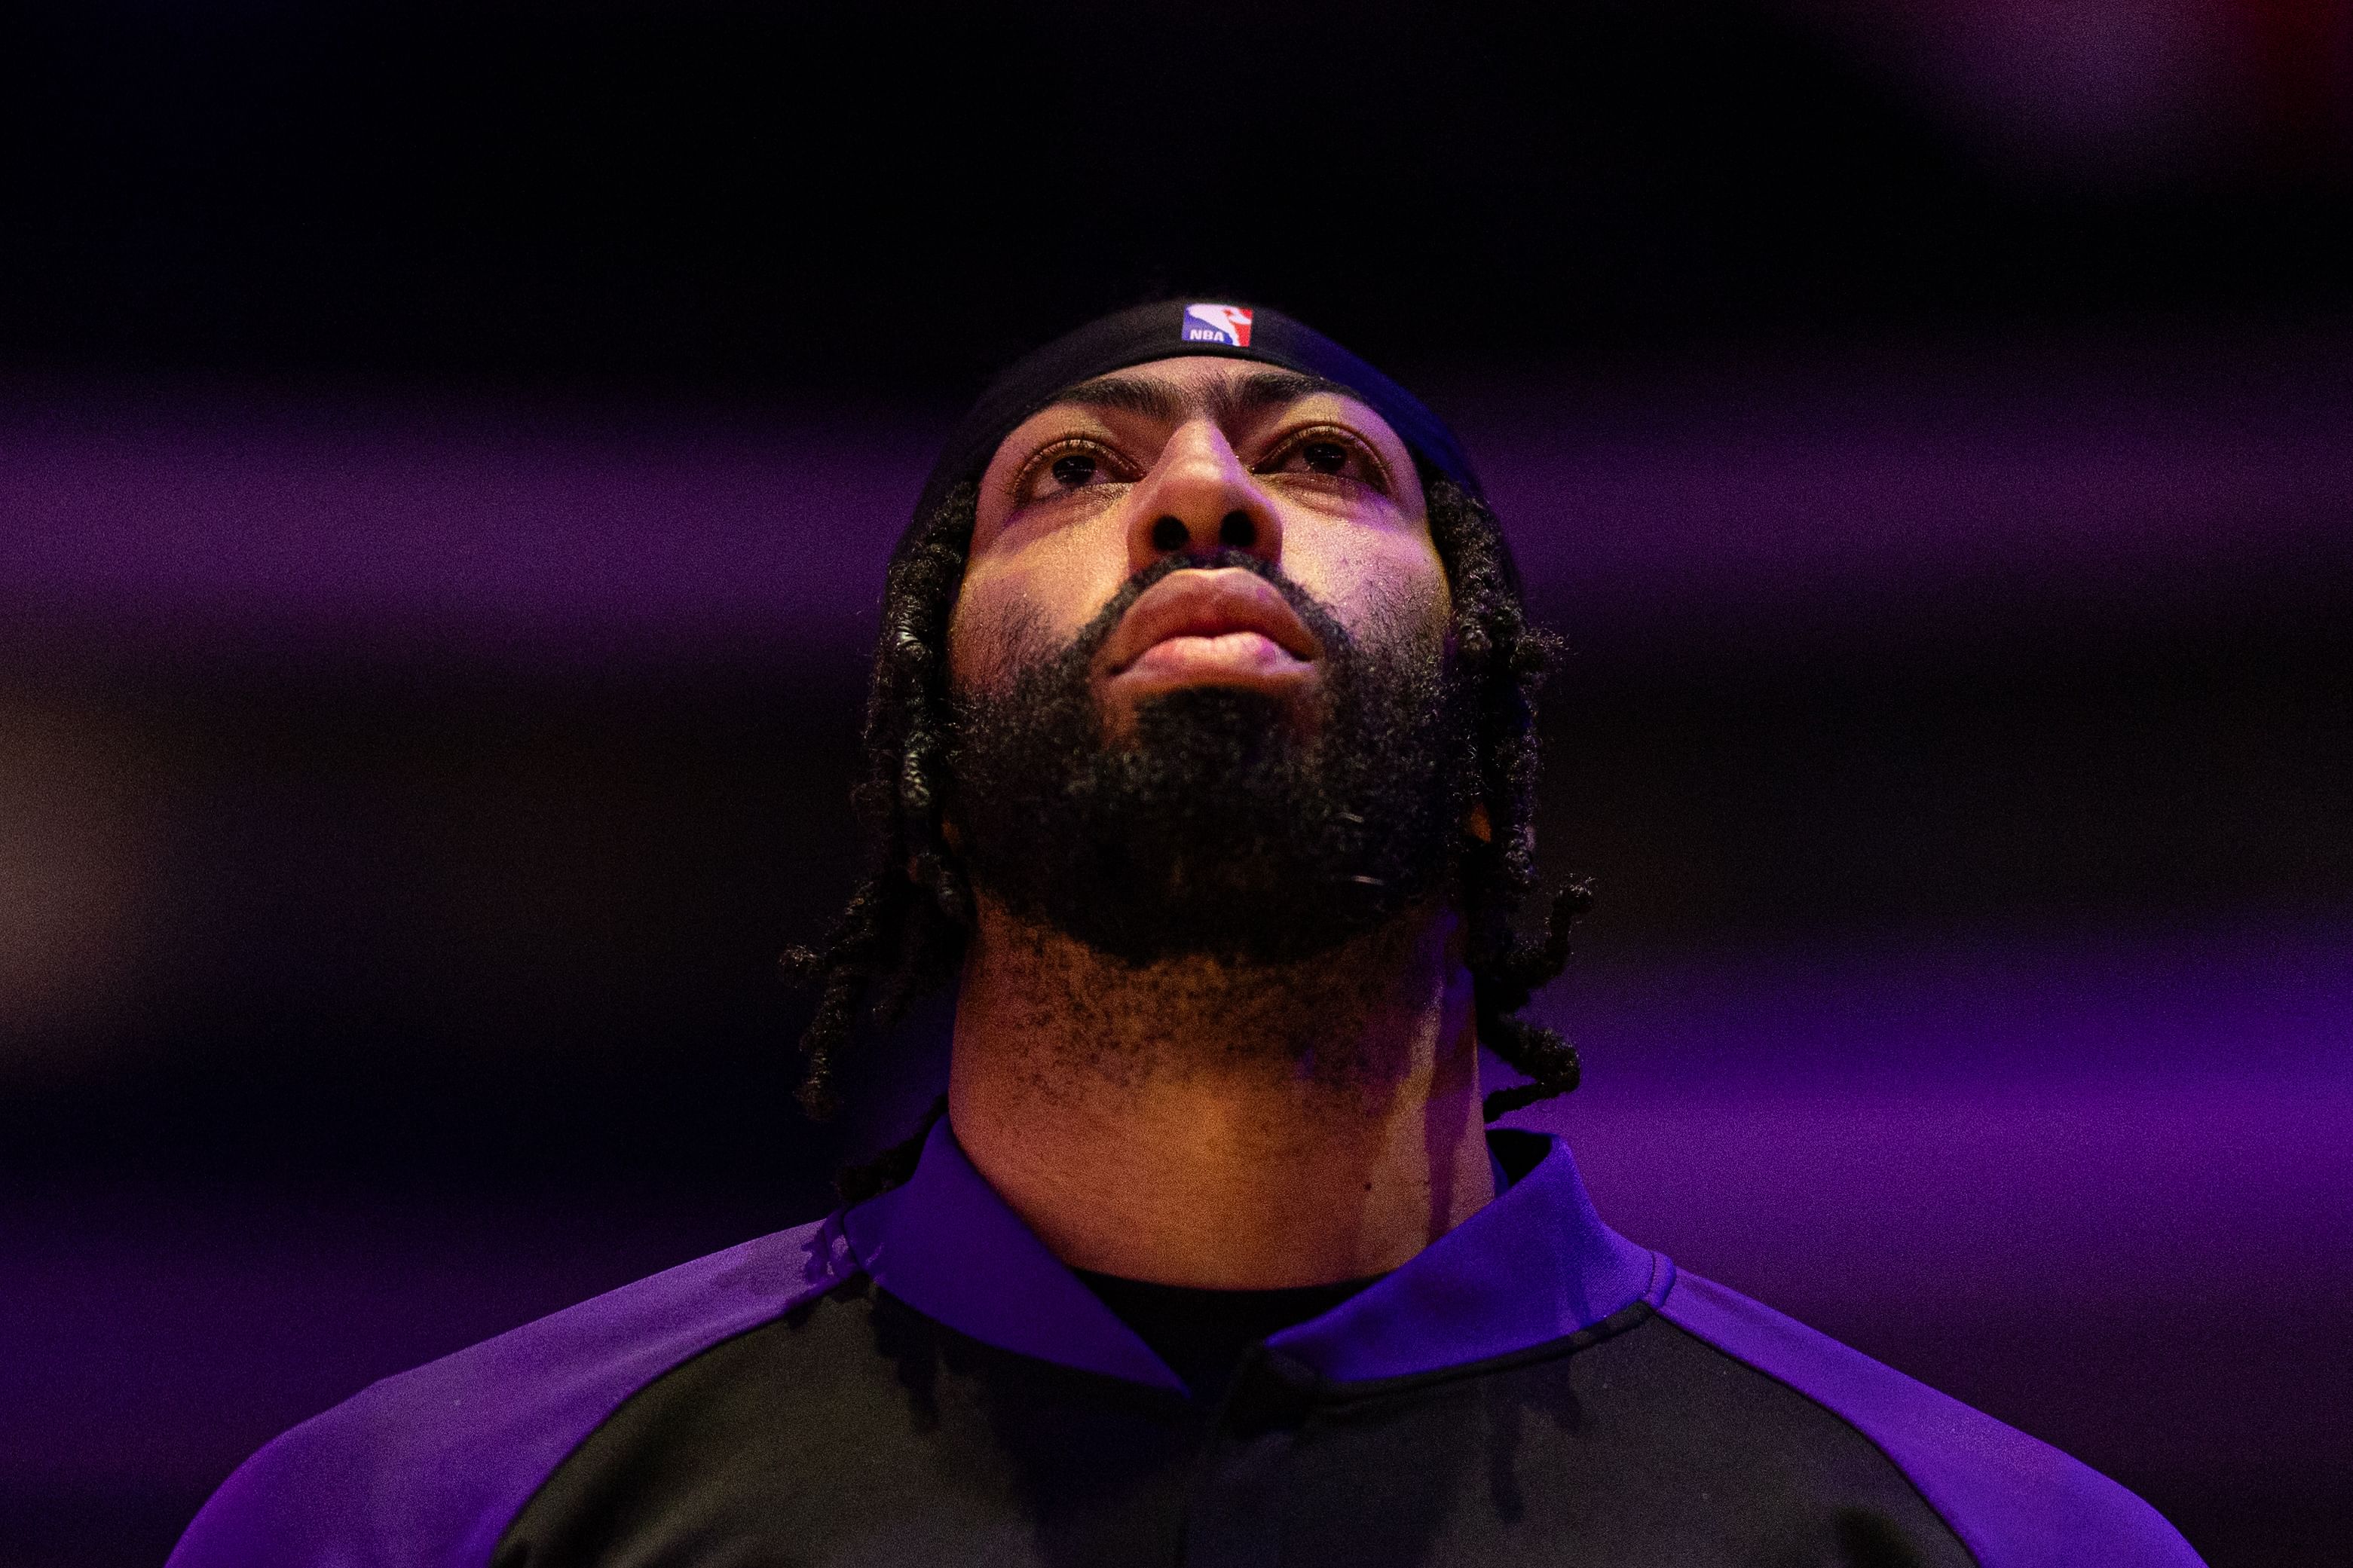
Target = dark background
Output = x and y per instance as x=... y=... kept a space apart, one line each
x=445 y=459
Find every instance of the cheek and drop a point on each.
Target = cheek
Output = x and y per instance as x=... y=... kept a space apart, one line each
x=1018 y=609
x=1390 y=582
x=988 y=638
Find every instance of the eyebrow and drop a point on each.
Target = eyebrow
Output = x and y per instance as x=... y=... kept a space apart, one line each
x=1224 y=402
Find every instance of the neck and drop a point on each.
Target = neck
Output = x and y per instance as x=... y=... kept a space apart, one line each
x=1224 y=1126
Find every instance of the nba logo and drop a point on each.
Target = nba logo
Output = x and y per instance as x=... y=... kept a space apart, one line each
x=1227 y=324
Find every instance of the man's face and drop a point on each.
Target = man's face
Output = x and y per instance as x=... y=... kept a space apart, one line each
x=1199 y=663
x=1192 y=455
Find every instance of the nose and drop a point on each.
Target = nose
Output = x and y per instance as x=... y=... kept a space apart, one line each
x=1199 y=497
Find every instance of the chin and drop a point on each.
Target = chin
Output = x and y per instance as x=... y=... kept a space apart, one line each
x=1294 y=697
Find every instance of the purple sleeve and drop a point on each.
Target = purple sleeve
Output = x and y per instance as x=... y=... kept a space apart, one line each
x=2014 y=1502
x=426 y=1469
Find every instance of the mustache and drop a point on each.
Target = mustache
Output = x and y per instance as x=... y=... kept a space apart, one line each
x=1088 y=641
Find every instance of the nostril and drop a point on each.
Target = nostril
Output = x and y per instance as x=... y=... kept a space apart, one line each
x=1170 y=535
x=1236 y=531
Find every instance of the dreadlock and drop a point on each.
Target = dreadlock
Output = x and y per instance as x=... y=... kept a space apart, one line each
x=903 y=931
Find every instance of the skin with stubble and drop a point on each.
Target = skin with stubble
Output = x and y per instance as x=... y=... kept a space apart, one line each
x=1215 y=571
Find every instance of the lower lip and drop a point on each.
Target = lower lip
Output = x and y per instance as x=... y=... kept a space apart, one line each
x=1245 y=655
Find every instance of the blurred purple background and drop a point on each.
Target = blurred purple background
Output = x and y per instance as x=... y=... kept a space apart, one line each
x=446 y=462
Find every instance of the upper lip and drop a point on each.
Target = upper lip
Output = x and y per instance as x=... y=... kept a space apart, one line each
x=1206 y=602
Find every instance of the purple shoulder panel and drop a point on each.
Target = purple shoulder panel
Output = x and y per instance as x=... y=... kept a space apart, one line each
x=426 y=1469
x=2014 y=1502
x=1535 y=1266
x=949 y=1246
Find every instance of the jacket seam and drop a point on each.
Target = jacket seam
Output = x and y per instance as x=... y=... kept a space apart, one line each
x=809 y=1291
x=1938 y=1514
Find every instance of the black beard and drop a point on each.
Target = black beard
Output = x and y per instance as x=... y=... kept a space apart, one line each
x=1215 y=830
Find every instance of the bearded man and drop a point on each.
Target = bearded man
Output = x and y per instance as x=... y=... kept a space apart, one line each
x=1201 y=762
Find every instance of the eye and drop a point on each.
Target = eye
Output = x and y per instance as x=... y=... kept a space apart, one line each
x=1323 y=457
x=1065 y=468
x=1330 y=454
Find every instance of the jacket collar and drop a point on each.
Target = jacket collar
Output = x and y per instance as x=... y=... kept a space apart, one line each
x=1535 y=1265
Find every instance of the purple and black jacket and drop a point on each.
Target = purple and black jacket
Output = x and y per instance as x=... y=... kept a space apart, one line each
x=917 y=1380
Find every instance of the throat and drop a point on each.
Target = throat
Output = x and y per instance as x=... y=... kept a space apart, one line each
x=1350 y=1023
x=1218 y=1129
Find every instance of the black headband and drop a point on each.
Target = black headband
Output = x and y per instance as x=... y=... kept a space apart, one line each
x=1172 y=327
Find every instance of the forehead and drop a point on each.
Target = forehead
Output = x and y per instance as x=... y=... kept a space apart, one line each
x=1196 y=384
x=1229 y=392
